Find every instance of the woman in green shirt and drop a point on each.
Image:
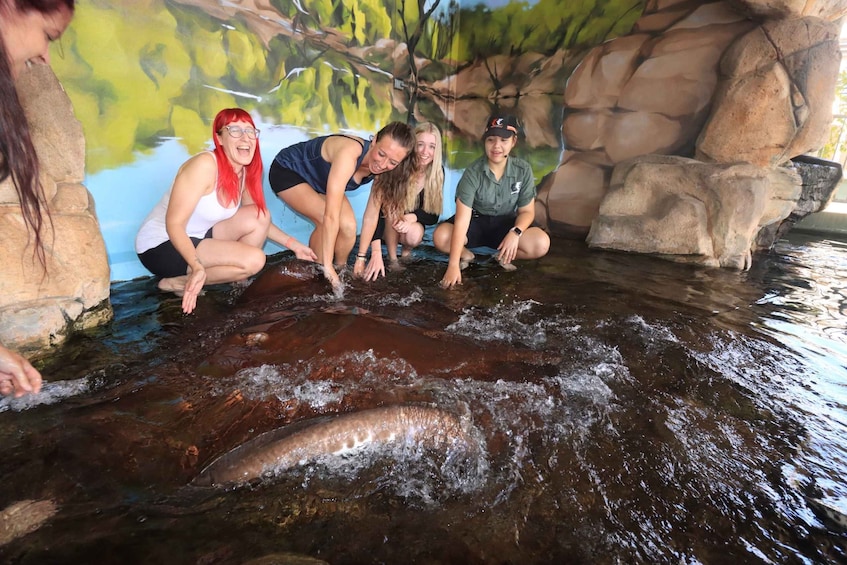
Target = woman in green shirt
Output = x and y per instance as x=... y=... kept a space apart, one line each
x=495 y=206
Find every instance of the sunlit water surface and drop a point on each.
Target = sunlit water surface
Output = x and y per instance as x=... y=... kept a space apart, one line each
x=630 y=410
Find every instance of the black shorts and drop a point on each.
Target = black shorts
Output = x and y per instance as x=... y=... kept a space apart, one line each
x=379 y=231
x=487 y=231
x=165 y=261
x=281 y=178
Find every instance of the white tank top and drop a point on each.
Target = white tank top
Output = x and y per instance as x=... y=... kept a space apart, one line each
x=207 y=213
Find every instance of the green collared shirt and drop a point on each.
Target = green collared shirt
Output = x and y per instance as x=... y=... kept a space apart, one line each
x=479 y=190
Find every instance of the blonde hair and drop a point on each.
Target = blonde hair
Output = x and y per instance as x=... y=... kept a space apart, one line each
x=433 y=176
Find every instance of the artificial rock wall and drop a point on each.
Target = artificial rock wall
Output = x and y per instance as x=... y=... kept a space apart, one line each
x=678 y=136
x=40 y=308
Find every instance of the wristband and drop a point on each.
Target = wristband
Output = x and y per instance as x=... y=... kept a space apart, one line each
x=360 y=258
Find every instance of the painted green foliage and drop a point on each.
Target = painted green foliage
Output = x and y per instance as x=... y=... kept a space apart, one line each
x=167 y=68
x=543 y=27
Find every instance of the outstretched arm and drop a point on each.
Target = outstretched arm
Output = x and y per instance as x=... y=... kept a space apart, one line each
x=301 y=250
x=342 y=154
x=369 y=270
x=461 y=223
x=195 y=178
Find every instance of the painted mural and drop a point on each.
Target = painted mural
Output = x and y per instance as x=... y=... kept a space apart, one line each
x=147 y=77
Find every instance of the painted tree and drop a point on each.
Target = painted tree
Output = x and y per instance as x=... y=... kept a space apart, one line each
x=414 y=15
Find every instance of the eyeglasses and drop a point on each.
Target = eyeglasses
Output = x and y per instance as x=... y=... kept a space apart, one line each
x=238 y=131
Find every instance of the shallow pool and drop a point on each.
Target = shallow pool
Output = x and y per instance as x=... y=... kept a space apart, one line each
x=626 y=409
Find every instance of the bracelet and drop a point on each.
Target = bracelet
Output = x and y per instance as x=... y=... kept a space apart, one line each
x=288 y=242
x=360 y=258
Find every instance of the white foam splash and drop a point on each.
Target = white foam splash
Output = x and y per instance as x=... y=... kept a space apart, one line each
x=51 y=393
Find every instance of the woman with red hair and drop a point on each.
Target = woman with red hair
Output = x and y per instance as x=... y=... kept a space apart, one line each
x=211 y=226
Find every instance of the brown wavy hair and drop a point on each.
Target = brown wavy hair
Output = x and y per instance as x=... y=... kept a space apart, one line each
x=390 y=188
x=18 y=158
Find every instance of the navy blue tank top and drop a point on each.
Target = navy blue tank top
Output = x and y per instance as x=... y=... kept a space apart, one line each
x=305 y=159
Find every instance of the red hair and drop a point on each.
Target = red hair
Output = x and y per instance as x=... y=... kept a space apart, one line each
x=227 y=179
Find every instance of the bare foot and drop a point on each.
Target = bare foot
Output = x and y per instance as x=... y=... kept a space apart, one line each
x=509 y=267
x=395 y=267
x=406 y=255
x=465 y=260
x=173 y=284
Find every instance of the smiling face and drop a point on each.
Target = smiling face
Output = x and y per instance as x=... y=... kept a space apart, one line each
x=425 y=147
x=239 y=150
x=497 y=148
x=386 y=154
x=27 y=35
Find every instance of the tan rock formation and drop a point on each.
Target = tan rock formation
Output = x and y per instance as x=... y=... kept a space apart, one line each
x=38 y=307
x=775 y=100
x=692 y=212
x=780 y=9
x=743 y=83
x=649 y=92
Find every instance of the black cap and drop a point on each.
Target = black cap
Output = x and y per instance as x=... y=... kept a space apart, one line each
x=501 y=125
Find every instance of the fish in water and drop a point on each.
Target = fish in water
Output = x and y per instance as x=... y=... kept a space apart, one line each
x=281 y=449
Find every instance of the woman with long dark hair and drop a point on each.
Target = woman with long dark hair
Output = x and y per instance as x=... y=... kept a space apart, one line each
x=27 y=27
x=313 y=176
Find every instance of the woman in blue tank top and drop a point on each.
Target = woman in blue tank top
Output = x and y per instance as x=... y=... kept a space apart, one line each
x=311 y=177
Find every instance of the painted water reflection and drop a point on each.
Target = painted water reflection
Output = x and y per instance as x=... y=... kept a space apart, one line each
x=631 y=410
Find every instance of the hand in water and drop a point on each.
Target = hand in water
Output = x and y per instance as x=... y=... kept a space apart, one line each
x=17 y=375
x=303 y=252
x=332 y=276
x=452 y=277
x=375 y=268
x=508 y=248
x=193 y=286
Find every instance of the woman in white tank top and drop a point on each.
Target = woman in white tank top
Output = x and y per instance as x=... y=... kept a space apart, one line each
x=211 y=226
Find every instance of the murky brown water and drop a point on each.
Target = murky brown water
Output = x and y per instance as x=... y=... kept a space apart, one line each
x=631 y=411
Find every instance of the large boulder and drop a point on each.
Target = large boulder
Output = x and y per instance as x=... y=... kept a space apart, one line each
x=41 y=305
x=693 y=212
x=646 y=93
x=776 y=93
x=820 y=179
x=744 y=86
x=781 y=9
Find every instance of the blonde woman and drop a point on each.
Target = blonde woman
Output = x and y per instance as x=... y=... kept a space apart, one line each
x=425 y=197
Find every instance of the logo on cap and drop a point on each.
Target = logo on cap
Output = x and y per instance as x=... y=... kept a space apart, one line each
x=506 y=123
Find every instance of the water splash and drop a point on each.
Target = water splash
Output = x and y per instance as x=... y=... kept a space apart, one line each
x=51 y=393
